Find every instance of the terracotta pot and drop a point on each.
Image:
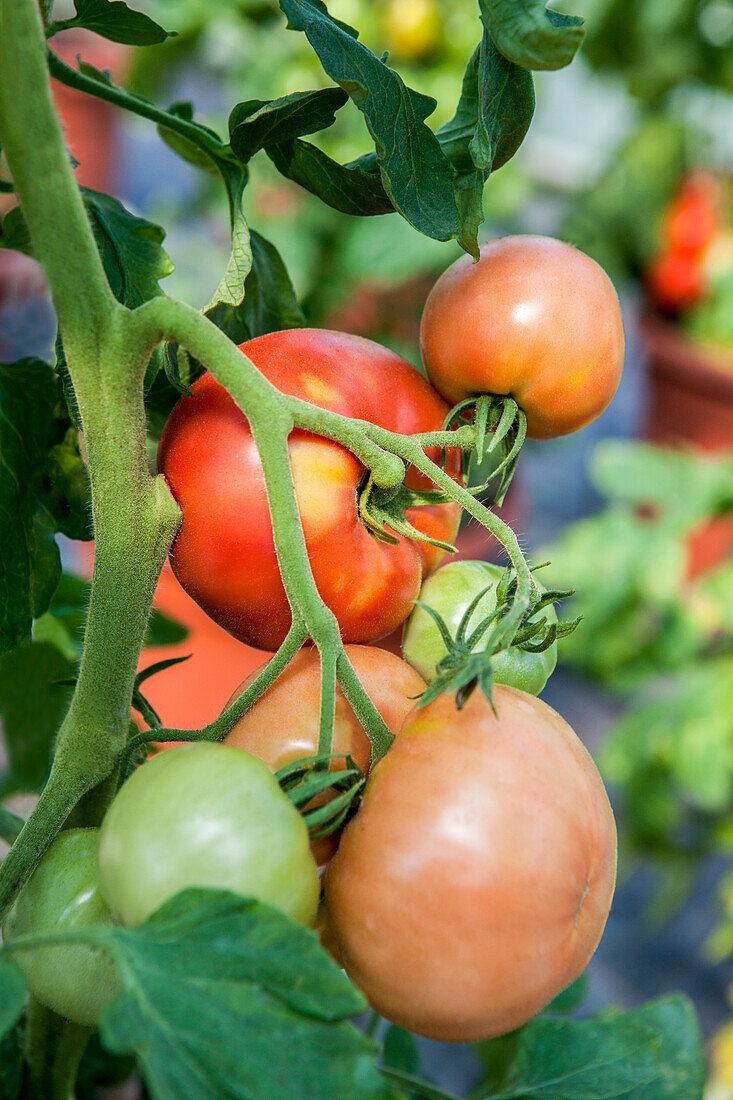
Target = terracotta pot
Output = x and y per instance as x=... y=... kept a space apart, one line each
x=691 y=403
x=690 y=389
x=90 y=125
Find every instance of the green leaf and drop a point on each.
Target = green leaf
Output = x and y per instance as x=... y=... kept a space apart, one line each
x=400 y=1050
x=114 y=20
x=11 y=1065
x=689 y=487
x=15 y=233
x=224 y=996
x=416 y=175
x=231 y=288
x=531 y=35
x=345 y=187
x=13 y=993
x=186 y=149
x=571 y=998
x=29 y=558
x=493 y=113
x=130 y=248
x=269 y=302
x=651 y=1053
x=32 y=706
x=680 y=1061
x=256 y=124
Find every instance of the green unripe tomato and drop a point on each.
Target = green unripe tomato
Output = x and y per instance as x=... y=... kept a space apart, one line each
x=205 y=815
x=62 y=894
x=450 y=591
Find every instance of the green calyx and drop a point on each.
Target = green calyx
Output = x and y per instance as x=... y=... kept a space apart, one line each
x=467 y=632
x=307 y=779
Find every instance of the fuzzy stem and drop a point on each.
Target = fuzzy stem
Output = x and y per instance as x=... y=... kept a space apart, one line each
x=54 y=1049
x=135 y=517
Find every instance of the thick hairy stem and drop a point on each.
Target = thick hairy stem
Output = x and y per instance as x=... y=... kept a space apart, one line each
x=54 y=1049
x=32 y=141
x=135 y=517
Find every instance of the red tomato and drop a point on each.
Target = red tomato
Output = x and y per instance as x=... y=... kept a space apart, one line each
x=282 y=726
x=224 y=554
x=693 y=218
x=474 y=883
x=534 y=318
x=675 y=280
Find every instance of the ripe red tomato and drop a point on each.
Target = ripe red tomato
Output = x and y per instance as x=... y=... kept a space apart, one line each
x=224 y=554
x=693 y=218
x=534 y=318
x=675 y=280
x=282 y=726
x=474 y=883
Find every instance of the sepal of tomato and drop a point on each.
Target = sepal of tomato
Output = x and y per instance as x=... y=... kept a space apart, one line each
x=450 y=591
x=224 y=553
x=283 y=725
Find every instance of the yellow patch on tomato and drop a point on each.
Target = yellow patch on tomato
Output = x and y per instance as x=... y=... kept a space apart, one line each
x=318 y=391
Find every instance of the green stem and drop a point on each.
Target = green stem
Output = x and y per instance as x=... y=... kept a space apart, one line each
x=32 y=141
x=110 y=93
x=329 y=660
x=54 y=1049
x=220 y=727
x=135 y=517
x=270 y=423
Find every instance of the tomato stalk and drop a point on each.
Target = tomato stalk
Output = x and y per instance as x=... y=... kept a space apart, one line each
x=135 y=517
x=54 y=1050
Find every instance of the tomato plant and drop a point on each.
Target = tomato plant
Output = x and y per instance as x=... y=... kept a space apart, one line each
x=210 y=461
x=474 y=883
x=62 y=894
x=204 y=815
x=450 y=592
x=534 y=318
x=308 y=483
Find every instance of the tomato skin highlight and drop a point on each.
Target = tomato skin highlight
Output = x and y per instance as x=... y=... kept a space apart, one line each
x=474 y=883
x=224 y=553
x=75 y=980
x=283 y=725
x=450 y=590
x=534 y=318
x=206 y=815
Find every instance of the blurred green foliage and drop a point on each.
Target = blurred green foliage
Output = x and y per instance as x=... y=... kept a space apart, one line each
x=238 y=48
x=657 y=626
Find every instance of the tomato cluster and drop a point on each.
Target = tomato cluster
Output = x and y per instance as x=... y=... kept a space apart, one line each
x=678 y=276
x=474 y=880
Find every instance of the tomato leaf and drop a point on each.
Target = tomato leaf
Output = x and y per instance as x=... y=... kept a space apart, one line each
x=269 y=302
x=11 y=1065
x=493 y=113
x=651 y=1053
x=113 y=19
x=350 y=188
x=530 y=34
x=29 y=559
x=13 y=993
x=225 y=996
x=32 y=705
x=257 y=123
x=416 y=175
